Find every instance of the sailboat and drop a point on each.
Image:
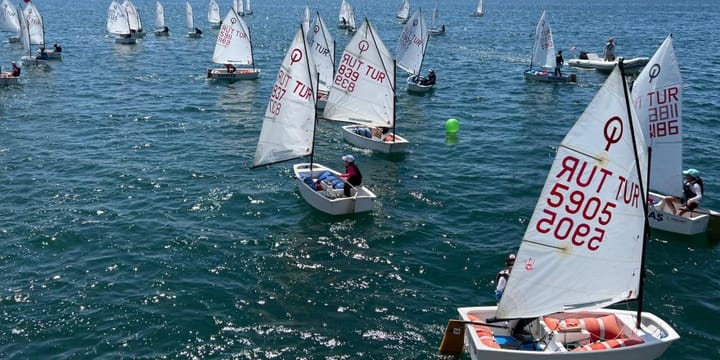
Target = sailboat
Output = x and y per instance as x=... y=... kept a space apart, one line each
x=7 y=79
x=288 y=132
x=306 y=19
x=36 y=28
x=436 y=28
x=193 y=32
x=410 y=52
x=214 y=14
x=234 y=47
x=363 y=93
x=351 y=27
x=657 y=93
x=161 y=29
x=136 y=29
x=322 y=47
x=479 y=11
x=248 y=9
x=117 y=24
x=542 y=62
x=31 y=35
x=583 y=250
x=403 y=11
x=9 y=21
x=343 y=15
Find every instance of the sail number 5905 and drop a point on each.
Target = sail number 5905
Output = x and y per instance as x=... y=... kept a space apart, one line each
x=576 y=202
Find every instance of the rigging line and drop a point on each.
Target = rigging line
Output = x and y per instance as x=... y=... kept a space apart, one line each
x=544 y=245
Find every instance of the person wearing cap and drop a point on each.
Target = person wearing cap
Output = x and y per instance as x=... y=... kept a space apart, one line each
x=693 y=189
x=503 y=275
x=430 y=80
x=559 y=61
x=352 y=174
x=57 y=47
x=609 y=51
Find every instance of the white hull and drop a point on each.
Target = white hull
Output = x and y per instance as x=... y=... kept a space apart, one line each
x=546 y=76
x=215 y=25
x=52 y=55
x=436 y=31
x=478 y=13
x=654 y=337
x=125 y=40
x=194 y=35
x=239 y=74
x=162 y=33
x=14 y=39
x=375 y=144
x=661 y=217
x=7 y=80
x=332 y=201
x=33 y=61
x=634 y=65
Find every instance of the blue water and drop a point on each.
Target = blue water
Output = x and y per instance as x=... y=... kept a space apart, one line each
x=132 y=226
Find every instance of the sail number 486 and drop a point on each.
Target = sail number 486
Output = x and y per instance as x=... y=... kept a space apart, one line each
x=576 y=202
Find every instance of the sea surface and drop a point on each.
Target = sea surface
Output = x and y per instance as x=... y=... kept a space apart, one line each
x=132 y=226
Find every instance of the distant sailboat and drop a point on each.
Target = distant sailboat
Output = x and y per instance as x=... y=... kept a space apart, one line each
x=134 y=20
x=214 y=14
x=161 y=29
x=117 y=24
x=403 y=12
x=542 y=61
x=410 y=52
x=248 y=9
x=322 y=47
x=193 y=32
x=234 y=49
x=9 y=21
x=436 y=28
x=479 y=11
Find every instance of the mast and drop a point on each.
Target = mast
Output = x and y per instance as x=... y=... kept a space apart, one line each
x=643 y=198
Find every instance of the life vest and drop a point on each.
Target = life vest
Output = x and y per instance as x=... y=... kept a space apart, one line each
x=688 y=188
x=355 y=179
x=504 y=273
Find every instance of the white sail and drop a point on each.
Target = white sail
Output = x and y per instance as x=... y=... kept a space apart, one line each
x=657 y=95
x=189 y=21
x=288 y=127
x=583 y=245
x=233 y=43
x=322 y=48
x=159 y=15
x=9 y=17
x=132 y=15
x=543 y=48
x=306 y=19
x=435 y=18
x=24 y=32
x=351 y=18
x=213 y=12
x=363 y=91
x=248 y=9
x=117 y=21
x=412 y=44
x=403 y=10
x=35 y=24
x=479 y=11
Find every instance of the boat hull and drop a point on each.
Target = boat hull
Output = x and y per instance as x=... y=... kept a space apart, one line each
x=416 y=87
x=8 y=80
x=546 y=76
x=162 y=33
x=649 y=342
x=436 y=31
x=33 y=61
x=194 y=35
x=384 y=145
x=125 y=40
x=53 y=55
x=239 y=74
x=634 y=65
x=332 y=201
x=661 y=217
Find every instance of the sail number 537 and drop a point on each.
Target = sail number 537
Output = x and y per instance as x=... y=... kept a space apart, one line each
x=576 y=202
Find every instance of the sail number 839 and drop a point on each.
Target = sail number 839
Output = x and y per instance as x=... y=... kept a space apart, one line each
x=564 y=227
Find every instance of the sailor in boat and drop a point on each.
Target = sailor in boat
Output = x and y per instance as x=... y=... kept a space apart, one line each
x=693 y=189
x=609 y=51
x=166 y=29
x=198 y=31
x=43 y=54
x=57 y=48
x=558 y=63
x=230 y=68
x=429 y=80
x=15 y=70
x=352 y=174
x=503 y=275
